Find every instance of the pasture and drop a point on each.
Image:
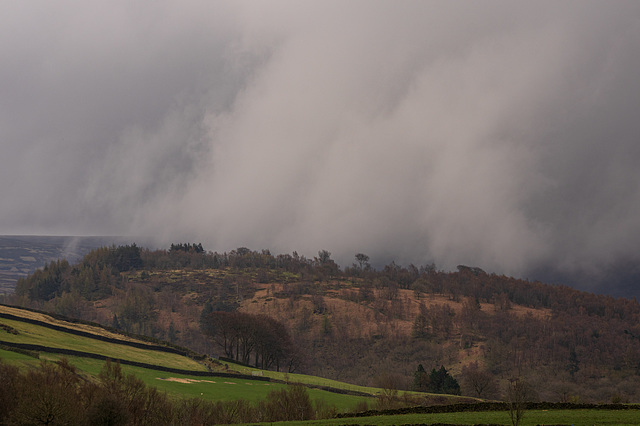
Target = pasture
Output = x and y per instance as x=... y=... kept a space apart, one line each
x=175 y=385
x=533 y=417
x=38 y=335
x=184 y=386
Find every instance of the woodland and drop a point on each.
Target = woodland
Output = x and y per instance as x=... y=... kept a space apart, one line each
x=386 y=327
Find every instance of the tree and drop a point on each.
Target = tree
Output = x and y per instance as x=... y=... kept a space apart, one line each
x=419 y=328
x=10 y=380
x=516 y=400
x=389 y=383
x=326 y=325
x=241 y=335
x=440 y=381
x=419 y=287
x=115 y=323
x=363 y=262
x=420 y=379
x=574 y=364
x=48 y=395
x=188 y=247
x=136 y=311
x=441 y=320
x=365 y=292
x=478 y=382
x=324 y=256
x=122 y=398
x=46 y=283
x=327 y=266
x=125 y=258
x=288 y=404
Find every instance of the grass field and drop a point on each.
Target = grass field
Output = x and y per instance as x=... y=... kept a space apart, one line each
x=23 y=313
x=37 y=335
x=183 y=386
x=304 y=379
x=15 y=358
x=226 y=389
x=319 y=381
x=175 y=385
x=214 y=388
x=551 y=417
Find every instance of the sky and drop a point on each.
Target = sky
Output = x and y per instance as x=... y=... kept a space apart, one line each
x=498 y=134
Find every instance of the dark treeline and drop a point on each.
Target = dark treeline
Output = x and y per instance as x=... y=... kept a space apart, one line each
x=101 y=268
x=241 y=335
x=91 y=278
x=188 y=247
x=100 y=271
x=437 y=381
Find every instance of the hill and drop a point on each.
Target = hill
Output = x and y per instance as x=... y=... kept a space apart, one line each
x=44 y=337
x=84 y=354
x=360 y=325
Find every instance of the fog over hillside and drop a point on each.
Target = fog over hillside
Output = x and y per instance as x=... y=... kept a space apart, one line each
x=21 y=255
x=498 y=134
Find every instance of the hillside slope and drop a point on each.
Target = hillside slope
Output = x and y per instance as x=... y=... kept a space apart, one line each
x=364 y=326
x=28 y=337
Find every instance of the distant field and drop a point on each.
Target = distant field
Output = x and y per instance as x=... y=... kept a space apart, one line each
x=23 y=254
x=38 y=316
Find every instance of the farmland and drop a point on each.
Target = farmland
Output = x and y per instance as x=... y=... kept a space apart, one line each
x=535 y=417
x=221 y=387
x=228 y=382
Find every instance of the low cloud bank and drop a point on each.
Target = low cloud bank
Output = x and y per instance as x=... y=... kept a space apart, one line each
x=499 y=135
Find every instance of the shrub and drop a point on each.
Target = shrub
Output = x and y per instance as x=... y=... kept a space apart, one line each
x=288 y=404
x=9 y=380
x=48 y=395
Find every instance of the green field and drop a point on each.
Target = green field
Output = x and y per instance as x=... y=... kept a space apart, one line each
x=18 y=359
x=37 y=335
x=175 y=385
x=184 y=386
x=214 y=388
x=319 y=381
x=304 y=379
x=553 y=417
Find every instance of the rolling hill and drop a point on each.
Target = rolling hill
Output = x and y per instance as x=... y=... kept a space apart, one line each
x=359 y=325
x=28 y=337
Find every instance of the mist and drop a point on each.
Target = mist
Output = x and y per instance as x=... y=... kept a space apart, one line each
x=497 y=134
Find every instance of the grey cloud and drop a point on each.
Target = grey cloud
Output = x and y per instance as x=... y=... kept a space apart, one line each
x=497 y=134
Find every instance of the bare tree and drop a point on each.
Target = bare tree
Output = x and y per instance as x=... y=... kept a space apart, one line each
x=516 y=400
x=479 y=382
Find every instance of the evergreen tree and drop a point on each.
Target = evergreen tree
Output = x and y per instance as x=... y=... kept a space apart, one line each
x=115 y=323
x=420 y=379
x=440 y=381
